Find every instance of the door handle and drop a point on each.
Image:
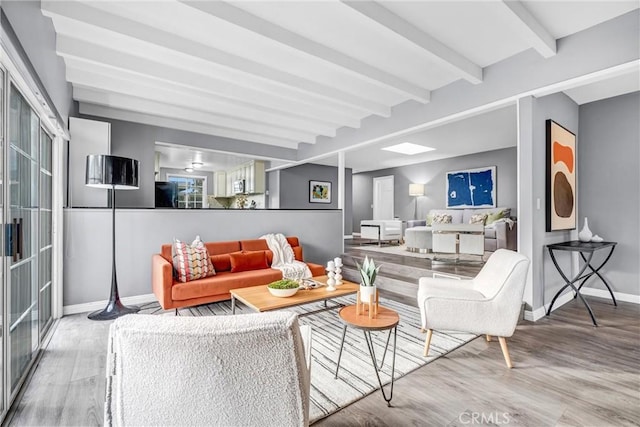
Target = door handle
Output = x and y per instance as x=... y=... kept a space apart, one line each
x=14 y=244
x=20 y=239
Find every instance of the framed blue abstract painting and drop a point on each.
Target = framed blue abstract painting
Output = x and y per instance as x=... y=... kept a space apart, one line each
x=472 y=188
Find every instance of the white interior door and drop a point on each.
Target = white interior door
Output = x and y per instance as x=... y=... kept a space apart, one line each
x=383 y=197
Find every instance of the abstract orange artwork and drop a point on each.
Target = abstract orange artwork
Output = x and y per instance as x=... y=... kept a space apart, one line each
x=561 y=194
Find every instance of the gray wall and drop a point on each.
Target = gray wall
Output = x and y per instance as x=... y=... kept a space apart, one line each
x=137 y=141
x=294 y=189
x=141 y=232
x=38 y=40
x=545 y=278
x=433 y=175
x=609 y=182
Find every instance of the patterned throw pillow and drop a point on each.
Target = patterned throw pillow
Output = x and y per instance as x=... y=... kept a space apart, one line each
x=442 y=219
x=478 y=219
x=191 y=261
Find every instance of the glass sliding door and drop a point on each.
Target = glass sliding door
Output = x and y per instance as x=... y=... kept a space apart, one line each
x=2 y=239
x=26 y=236
x=24 y=141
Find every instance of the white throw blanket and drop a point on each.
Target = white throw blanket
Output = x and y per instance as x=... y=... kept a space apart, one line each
x=284 y=259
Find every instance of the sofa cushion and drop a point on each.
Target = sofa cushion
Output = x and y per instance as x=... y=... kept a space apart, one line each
x=441 y=218
x=316 y=269
x=261 y=245
x=191 y=261
x=297 y=252
x=456 y=214
x=217 y=248
x=429 y=220
x=478 y=218
x=468 y=213
x=221 y=262
x=248 y=260
x=254 y=245
x=222 y=283
x=293 y=241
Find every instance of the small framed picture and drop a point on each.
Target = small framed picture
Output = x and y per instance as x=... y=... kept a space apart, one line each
x=319 y=192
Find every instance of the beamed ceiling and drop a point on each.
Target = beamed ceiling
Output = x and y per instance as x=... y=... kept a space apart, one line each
x=284 y=73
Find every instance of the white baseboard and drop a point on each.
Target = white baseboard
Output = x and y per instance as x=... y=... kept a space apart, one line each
x=97 y=305
x=603 y=293
x=540 y=312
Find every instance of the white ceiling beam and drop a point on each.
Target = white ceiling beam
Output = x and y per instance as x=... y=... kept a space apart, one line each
x=320 y=110
x=531 y=30
x=147 y=119
x=172 y=123
x=127 y=27
x=243 y=19
x=437 y=51
x=140 y=105
x=79 y=75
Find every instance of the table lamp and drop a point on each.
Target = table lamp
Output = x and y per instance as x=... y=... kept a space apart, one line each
x=113 y=173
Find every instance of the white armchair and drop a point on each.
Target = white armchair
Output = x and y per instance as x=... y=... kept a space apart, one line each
x=381 y=229
x=217 y=370
x=488 y=304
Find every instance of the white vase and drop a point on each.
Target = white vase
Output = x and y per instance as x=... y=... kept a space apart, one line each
x=585 y=234
x=366 y=291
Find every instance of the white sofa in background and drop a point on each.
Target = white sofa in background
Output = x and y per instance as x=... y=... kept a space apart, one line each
x=214 y=370
x=381 y=230
x=501 y=234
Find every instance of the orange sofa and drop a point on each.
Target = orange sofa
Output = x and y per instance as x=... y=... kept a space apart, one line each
x=174 y=294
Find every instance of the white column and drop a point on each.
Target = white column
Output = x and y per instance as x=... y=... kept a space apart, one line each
x=525 y=193
x=341 y=191
x=57 y=220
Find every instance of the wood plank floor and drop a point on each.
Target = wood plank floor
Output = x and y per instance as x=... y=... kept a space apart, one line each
x=566 y=373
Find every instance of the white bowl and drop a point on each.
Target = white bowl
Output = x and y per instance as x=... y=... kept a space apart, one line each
x=282 y=292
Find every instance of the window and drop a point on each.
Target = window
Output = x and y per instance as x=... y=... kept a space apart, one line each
x=192 y=191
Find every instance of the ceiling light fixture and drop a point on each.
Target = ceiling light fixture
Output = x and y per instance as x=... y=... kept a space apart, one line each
x=188 y=169
x=408 y=148
x=197 y=165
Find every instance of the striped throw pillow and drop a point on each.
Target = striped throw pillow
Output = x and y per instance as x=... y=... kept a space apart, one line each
x=191 y=261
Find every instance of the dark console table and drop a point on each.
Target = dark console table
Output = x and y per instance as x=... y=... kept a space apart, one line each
x=583 y=248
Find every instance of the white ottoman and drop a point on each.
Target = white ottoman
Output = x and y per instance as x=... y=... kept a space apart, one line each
x=418 y=239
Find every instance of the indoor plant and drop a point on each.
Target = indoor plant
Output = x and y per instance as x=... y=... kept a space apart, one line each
x=283 y=288
x=368 y=273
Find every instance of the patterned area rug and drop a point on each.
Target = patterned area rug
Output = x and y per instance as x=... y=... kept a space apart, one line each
x=357 y=378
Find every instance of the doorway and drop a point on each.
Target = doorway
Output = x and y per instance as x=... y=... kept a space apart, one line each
x=383 y=197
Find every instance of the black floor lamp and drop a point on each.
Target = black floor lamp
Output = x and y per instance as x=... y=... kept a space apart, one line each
x=113 y=173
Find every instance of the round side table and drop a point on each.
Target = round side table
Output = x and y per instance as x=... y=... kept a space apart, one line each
x=386 y=319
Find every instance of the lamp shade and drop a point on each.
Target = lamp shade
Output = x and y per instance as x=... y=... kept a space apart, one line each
x=416 y=189
x=105 y=171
